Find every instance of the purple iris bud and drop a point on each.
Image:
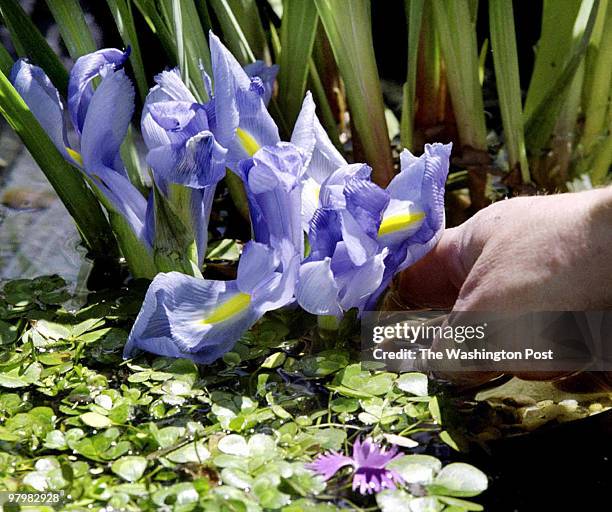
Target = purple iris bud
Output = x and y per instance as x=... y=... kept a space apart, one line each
x=272 y=181
x=101 y=118
x=201 y=319
x=80 y=86
x=264 y=76
x=369 y=461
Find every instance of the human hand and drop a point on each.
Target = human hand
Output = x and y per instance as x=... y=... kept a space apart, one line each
x=541 y=253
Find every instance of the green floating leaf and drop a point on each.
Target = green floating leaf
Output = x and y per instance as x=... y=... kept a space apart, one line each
x=394 y=500
x=459 y=479
x=95 y=420
x=8 y=333
x=130 y=468
x=195 y=451
x=20 y=378
x=414 y=383
x=417 y=469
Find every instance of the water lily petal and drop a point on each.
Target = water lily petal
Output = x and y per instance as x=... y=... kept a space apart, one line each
x=328 y=465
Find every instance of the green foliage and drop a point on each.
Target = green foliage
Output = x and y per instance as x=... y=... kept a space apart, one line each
x=124 y=19
x=563 y=44
x=414 y=15
x=30 y=43
x=348 y=27
x=72 y=26
x=456 y=30
x=505 y=59
x=159 y=432
x=298 y=30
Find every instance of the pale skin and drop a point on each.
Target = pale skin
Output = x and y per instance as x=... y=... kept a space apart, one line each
x=540 y=253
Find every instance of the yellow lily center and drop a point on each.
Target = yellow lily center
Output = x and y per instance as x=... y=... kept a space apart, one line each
x=75 y=155
x=399 y=222
x=248 y=142
x=231 y=307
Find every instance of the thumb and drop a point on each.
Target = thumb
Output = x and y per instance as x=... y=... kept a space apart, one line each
x=435 y=280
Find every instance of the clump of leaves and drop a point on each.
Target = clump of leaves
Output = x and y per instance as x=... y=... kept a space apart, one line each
x=160 y=433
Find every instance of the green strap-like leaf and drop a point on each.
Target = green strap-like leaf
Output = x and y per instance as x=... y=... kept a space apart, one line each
x=6 y=61
x=505 y=59
x=233 y=34
x=72 y=26
x=544 y=102
x=191 y=44
x=124 y=19
x=457 y=33
x=348 y=27
x=174 y=248
x=66 y=180
x=414 y=14
x=298 y=30
x=30 y=43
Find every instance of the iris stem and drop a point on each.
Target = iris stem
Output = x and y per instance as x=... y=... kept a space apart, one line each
x=328 y=323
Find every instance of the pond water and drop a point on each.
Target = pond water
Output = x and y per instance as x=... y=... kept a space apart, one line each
x=37 y=235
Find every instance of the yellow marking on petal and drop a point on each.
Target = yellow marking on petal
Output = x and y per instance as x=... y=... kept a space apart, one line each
x=231 y=307
x=75 y=155
x=316 y=191
x=399 y=222
x=248 y=142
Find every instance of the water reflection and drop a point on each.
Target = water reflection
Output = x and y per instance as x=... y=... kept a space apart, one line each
x=37 y=235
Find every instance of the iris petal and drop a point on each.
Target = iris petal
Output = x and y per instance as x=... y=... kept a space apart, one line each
x=80 y=87
x=194 y=318
x=317 y=291
x=42 y=99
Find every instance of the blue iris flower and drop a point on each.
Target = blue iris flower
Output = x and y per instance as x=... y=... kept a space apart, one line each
x=100 y=118
x=202 y=319
x=272 y=181
x=182 y=149
x=361 y=235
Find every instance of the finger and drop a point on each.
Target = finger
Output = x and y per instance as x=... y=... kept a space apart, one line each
x=435 y=280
